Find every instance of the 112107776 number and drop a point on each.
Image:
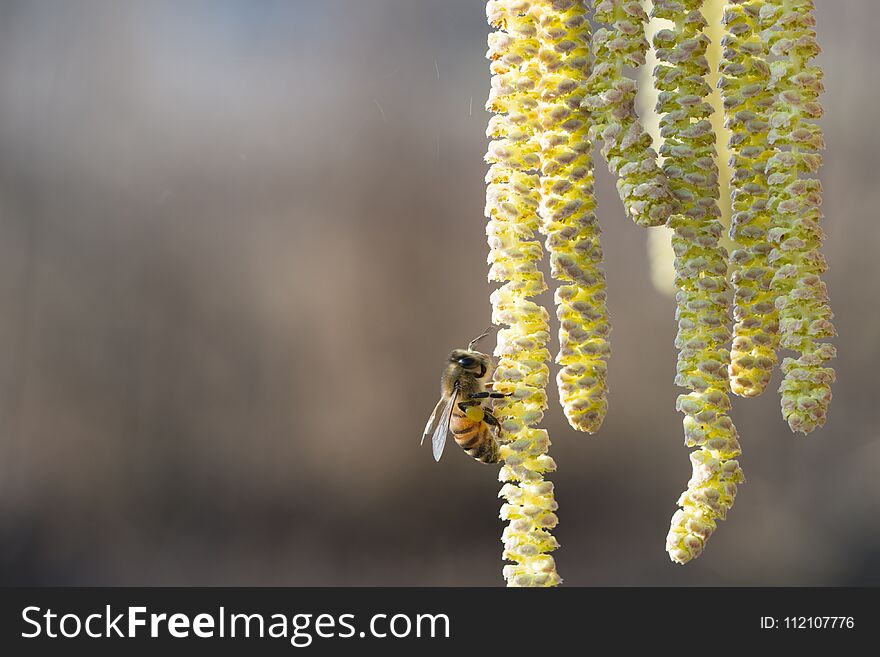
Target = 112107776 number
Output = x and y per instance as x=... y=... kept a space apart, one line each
x=818 y=622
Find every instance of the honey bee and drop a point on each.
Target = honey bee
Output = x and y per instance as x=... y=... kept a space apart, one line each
x=464 y=387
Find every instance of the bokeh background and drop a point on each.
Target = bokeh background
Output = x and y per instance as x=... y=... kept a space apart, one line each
x=238 y=239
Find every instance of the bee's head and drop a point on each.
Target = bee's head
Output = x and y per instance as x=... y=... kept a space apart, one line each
x=475 y=362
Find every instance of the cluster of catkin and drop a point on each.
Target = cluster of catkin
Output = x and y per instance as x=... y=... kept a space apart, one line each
x=771 y=90
x=556 y=89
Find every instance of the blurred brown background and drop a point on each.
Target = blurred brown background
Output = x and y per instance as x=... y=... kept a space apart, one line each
x=237 y=240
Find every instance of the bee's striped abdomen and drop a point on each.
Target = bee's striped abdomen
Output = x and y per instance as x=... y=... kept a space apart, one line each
x=475 y=438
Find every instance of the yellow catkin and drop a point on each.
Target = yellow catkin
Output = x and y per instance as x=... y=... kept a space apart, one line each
x=568 y=212
x=701 y=268
x=795 y=197
x=626 y=146
x=747 y=104
x=512 y=200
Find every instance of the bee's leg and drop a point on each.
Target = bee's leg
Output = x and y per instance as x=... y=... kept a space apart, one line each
x=486 y=395
x=488 y=418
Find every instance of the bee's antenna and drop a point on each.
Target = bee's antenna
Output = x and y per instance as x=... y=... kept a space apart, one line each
x=480 y=337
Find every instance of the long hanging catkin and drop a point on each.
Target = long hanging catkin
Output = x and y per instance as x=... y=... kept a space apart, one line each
x=512 y=199
x=748 y=99
x=568 y=212
x=701 y=269
x=795 y=197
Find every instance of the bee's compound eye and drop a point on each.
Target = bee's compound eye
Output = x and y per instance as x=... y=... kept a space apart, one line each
x=467 y=361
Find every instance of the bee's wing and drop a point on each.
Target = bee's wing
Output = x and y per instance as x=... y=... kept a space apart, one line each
x=438 y=440
x=431 y=421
